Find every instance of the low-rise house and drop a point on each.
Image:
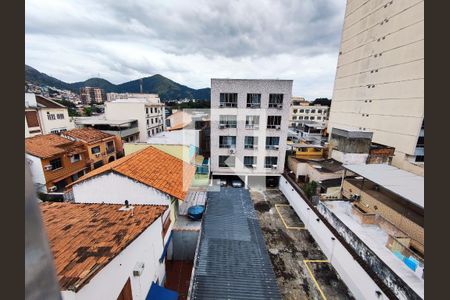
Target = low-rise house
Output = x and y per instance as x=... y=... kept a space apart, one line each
x=43 y=116
x=106 y=251
x=102 y=147
x=149 y=176
x=306 y=170
x=126 y=129
x=55 y=162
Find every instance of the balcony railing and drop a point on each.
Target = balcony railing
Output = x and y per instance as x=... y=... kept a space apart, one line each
x=228 y=104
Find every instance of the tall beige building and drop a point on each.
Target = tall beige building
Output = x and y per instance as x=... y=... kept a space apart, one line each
x=379 y=85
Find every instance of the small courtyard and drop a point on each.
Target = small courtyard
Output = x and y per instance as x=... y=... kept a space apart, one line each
x=302 y=269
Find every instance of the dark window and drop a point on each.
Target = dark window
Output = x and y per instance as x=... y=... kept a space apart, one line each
x=227 y=141
x=272 y=142
x=420 y=158
x=146 y=110
x=51 y=117
x=274 y=122
x=275 y=100
x=95 y=150
x=75 y=158
x=56 y=163
x=227 y=121
x=226 y=161
x=421 y=141
x=270 y=161
x=302 y=110
x=295 y=111
x=98 y=164
x=110 y=147
x=319 y=111
x=313 y=111
x=254 y=100
x=249 y=161
x=60 y=116
x=250 y=142
x=228 y=99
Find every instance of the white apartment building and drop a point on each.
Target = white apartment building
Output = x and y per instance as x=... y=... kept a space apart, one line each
x=249 y=127
x=302 y=110
x=147 y=109
x=379 y=85
x=43 y=116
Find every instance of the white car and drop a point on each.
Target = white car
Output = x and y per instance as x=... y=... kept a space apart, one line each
x=236 y=183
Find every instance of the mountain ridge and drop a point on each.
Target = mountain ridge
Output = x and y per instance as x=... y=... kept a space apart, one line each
x=157 y=84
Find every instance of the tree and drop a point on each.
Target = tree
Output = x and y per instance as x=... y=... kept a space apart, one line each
x=311 y=188
x=322 y=101
x=87 y=111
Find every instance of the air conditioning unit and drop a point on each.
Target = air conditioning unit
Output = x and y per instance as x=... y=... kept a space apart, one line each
x=277 y=127
x=48 y=167
x=280 y=106
x=254 y=166
x=276 y=147
x=274 y=166
x=232 y=151
x=52 y=189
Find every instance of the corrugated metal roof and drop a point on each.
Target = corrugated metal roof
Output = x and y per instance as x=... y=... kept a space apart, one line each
x=232 y=260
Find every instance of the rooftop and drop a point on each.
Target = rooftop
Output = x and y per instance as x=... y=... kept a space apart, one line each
x=152 y=167
x=49 y=145
x=402 y=183
x=232 y=263
x=186 y=137
x=349 y=132
x=85 y=237
x=88 y=134
x=101 y=120
x=47 y=103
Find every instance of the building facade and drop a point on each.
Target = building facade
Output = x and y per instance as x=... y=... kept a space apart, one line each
x=102 y=147
x=43 y=116
x=302 y=111
x=249 y=126
x=379 y=85
x=55 y=162
x=91 y=95
x=147 y=109
x=127 y=130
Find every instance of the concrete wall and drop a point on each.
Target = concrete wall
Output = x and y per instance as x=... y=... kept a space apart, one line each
x=379 y=85
x=114 y=188
x=242 y=87
x=109 y=281
x=184 y=244
x=354 y=276
x=57 y=124
x=37 y=171
x=349 y=158
x=124 y=110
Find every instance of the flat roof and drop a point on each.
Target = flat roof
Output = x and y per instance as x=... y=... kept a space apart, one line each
x=232 y=261
x=405 y=184
x=102 y=121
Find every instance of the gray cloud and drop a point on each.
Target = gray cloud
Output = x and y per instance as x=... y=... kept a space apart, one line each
x=189 y=41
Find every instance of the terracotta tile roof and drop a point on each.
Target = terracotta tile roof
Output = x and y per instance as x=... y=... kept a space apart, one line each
x=85 y=237
x=154 y=168
x=88 y=134
x=48 y=145
x=47 y=103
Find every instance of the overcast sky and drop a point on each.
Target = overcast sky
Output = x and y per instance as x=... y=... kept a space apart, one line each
x=187 y=41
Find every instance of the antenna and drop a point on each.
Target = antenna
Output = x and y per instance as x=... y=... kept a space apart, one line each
x=140 y=84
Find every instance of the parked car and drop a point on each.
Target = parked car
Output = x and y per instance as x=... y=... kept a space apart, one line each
x=237 y=183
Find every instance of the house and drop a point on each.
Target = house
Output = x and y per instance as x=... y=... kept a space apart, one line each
x=249 y=127
x=307 y=170
x=126 y=129
x=147 y=109
x=55 y=162
x=43 y=116
x=106 y=251
x=102 y=147
x=178 y=120
x=182 y=152
x=149 y=176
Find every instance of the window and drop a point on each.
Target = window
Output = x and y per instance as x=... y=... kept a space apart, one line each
x=250 y=142
x=146 y=110
x=56 y=163
x=306 y=118
x=307 y=111
x=227 y=121
x=319 y=111
x=228 y=99
x=294 y=118
x=110 y=147
x=151 y=120
x=250 y=161
x=75 y=158
x=300 y=117
x=302 y=110
x=275 y=100
x=319 y=118
x=149 y=133
x=313 y=111
x=252 y=122
x=421 y=141
x=420 y=158
x=254 y=100
x=227 y=141
x=98 y=164
x=60 y=116
x=272 y=142
x=148 y=122
x=95 y=150
x=270 y=161
x=312 y=118
x=295 y=111
x=274 y=122
x=226 y=161
x=51 y=116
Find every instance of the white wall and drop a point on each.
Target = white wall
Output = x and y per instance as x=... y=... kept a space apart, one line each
x=354 y=276
x=57 y=124
x=349 y=158
x=114 y=188
x=37 y=171
x=109 y=281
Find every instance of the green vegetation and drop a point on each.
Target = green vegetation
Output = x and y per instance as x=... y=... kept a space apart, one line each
x=70 y=106
x=87 y=111
x=310 y=188
x=190 y=104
